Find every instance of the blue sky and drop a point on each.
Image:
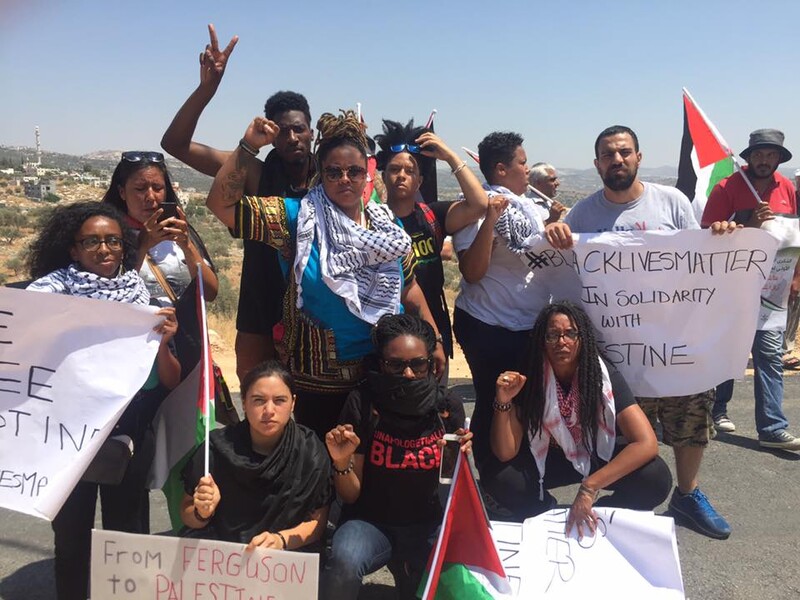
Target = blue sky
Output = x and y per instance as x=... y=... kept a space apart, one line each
x=110 y=75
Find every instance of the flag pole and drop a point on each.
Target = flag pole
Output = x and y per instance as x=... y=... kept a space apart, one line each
x=721 y=141
x=206 y=375
x=429 y=124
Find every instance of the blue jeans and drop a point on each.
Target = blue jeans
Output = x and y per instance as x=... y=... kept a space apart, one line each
x=360 y=548
x=767 y=354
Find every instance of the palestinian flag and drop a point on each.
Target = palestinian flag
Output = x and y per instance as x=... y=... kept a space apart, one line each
x=706 y=159
x=464 y=564
x=192 y=404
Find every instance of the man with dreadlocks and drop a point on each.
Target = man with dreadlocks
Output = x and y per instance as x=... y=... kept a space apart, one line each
x=286 y=171
x=405 y=153
x=346 y=264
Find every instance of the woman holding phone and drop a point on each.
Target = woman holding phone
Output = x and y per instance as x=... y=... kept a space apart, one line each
x=169 y=248
x=386 y=456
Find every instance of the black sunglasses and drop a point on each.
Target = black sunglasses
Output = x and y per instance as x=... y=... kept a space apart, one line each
x=135 y=156
x=336 y=173
x=419 y=366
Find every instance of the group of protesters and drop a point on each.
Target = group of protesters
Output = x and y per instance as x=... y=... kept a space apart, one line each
x=344 y=336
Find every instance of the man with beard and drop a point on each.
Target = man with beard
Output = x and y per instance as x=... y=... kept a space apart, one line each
x=544 y=178
x=286 y=171
x=628 y=204
x=776 y=195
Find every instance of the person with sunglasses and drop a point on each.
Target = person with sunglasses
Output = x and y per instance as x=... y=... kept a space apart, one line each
x=346 y=264
x=87 y=249
x=557 y=423
x=169 y=249
x=386 y=455
x=406 y=153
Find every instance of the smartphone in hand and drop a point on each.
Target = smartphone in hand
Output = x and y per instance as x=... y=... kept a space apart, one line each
x=447 y=463
x=170 y=211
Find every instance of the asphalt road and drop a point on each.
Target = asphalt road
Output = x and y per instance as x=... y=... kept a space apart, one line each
x=757 y=491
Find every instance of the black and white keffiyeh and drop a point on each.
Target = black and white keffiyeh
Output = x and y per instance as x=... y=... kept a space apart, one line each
x=125 y=287
x=360 y=265
x=520 y=225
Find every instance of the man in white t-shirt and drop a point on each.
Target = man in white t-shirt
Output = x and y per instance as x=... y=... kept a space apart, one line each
x=628 y=204
x=544 y=181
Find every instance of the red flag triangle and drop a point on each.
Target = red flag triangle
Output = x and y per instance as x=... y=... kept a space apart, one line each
x=708 y=148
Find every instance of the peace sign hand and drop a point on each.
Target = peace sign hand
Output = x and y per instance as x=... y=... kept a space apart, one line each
x=213 y=60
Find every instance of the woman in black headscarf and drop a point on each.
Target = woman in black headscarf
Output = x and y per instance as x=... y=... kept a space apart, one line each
x=269 y=483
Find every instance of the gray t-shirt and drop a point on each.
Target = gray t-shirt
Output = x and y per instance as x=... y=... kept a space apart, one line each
x=660 y=207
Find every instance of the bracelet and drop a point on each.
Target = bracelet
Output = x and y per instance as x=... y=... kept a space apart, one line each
x=347 y=470
x=200 y=518
x=585 y=489
x=440 y=339
x=459 y=168
x=283 y=539
x=502 y=406
x=247 y=148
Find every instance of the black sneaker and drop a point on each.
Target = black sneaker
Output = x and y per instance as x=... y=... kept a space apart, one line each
x=782 y=440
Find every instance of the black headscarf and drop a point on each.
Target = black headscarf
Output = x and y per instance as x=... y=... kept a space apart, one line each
x=263 y=493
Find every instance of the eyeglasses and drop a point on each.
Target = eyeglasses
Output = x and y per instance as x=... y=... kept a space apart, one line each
x=92 y=244
x=336 y=173
x=419 y=366
x=553 y=337
x=142 y=156
x=412 y=148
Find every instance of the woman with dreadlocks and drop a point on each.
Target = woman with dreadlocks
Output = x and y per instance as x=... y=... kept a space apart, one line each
x=567 y=411
x=406 y=154
x=346 y=264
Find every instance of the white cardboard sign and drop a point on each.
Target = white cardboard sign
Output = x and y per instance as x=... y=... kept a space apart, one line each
x=68 y=368
x=126 y=566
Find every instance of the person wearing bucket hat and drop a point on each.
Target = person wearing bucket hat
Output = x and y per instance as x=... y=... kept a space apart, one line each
x=776 y=196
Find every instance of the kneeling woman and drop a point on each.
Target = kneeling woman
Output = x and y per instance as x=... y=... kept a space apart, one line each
x=561 y=429
x=386 y=461
x=270 y=483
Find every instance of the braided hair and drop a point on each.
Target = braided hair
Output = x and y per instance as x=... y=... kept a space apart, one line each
x=590 y=378
x=343 y=130
x=50 y=250
x=390 y=327
x=395 y=134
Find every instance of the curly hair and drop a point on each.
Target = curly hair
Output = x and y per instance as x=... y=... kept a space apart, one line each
x=124 y=170
x=51 y=248
x=268 y=368
x=395 y=134
x=390 y=327
x=590 y=378
x=335 y=131
x=497 y=147
x=284 y=101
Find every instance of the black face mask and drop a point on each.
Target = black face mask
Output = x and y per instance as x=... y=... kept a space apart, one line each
x=399 y=395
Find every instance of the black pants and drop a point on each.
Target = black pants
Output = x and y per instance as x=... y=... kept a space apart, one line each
x=512 y=488
x=125 y=507
x=489 y=351
x=319 y=412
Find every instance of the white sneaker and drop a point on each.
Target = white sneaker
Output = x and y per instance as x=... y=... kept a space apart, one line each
x=724 y=424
